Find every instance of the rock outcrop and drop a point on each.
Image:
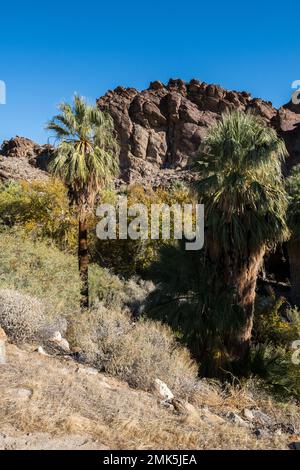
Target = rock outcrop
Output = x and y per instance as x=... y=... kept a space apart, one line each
x=21 y=158
x=160 y=129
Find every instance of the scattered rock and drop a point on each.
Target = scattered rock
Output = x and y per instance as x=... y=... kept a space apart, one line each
x=210 y=417
x=58 y=340
x=21 y=393
x=41 y=350
x=2 y=352
x=248 y=414
x=3 y=339
x=262 y=418
x=3 y=336
x=236 y=419
x=87 y=370
x=163 y=390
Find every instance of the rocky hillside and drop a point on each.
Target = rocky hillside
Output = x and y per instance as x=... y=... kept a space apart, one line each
x=21 y=158
x=160 y=130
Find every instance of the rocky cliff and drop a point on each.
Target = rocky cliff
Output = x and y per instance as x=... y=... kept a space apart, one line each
x=160 y=129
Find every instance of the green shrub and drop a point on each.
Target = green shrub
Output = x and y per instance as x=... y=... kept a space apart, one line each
x=271 y=326
x=41 y=209
x=275 y=328
x=40 y=269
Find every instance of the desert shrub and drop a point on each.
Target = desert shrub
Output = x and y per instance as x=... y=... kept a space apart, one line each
x=135 y=352
x=276 y=327
x=276 y=324
x=274 y=365
x=21 y=315
x=41 y=209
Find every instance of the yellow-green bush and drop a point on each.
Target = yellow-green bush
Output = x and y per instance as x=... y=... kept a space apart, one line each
x=276 y=327
x=41 y=209
x=40 y=269
x=270 y=326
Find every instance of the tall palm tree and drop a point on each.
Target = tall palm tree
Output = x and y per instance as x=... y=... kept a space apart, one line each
x=293 y=216
x=86 y=160
x=245 y=202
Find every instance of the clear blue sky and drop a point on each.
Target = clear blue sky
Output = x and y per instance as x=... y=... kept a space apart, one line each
x=50 y=50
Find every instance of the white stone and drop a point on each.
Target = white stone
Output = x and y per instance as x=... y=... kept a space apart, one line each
x=56 y=336
x=41 y=350
x=163 y=390
x=248 y=414
x=87 y=370
x=236 y=419
x=2 y=352
x=24 y=393
x=261 y=417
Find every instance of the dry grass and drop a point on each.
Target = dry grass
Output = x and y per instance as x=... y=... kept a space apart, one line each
x=106 y=411
x=137 y=353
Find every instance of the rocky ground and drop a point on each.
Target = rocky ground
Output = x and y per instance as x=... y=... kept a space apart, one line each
x=48 y=400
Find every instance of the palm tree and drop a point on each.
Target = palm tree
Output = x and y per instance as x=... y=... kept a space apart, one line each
x=293 y=216
x=245 y=202
x=86 y=161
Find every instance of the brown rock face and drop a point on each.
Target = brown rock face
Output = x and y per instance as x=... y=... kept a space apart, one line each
x=160 y=129
x=21 y=158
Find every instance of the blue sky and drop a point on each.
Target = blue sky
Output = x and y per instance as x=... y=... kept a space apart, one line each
x=50 y=50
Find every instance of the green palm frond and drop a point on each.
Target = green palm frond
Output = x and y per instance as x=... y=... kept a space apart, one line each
x=86 y=158
x=241 y=182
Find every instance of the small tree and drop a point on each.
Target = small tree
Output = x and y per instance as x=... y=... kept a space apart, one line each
x=86 y=161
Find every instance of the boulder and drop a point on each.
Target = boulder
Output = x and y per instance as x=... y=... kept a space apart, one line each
x=163 y=390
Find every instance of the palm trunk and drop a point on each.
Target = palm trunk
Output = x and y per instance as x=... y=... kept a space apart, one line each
x=83 y=261
x=294 y=262
x=242 y=277
x=244 y=281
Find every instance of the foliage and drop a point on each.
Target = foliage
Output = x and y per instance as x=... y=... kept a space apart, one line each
x=43 y=271
x=275 y=323
x=241 y=183
x=130 y=257
x=86 y=156
x=190 y=298
x=41 y=209
x=276 y=327
x=293 y=190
